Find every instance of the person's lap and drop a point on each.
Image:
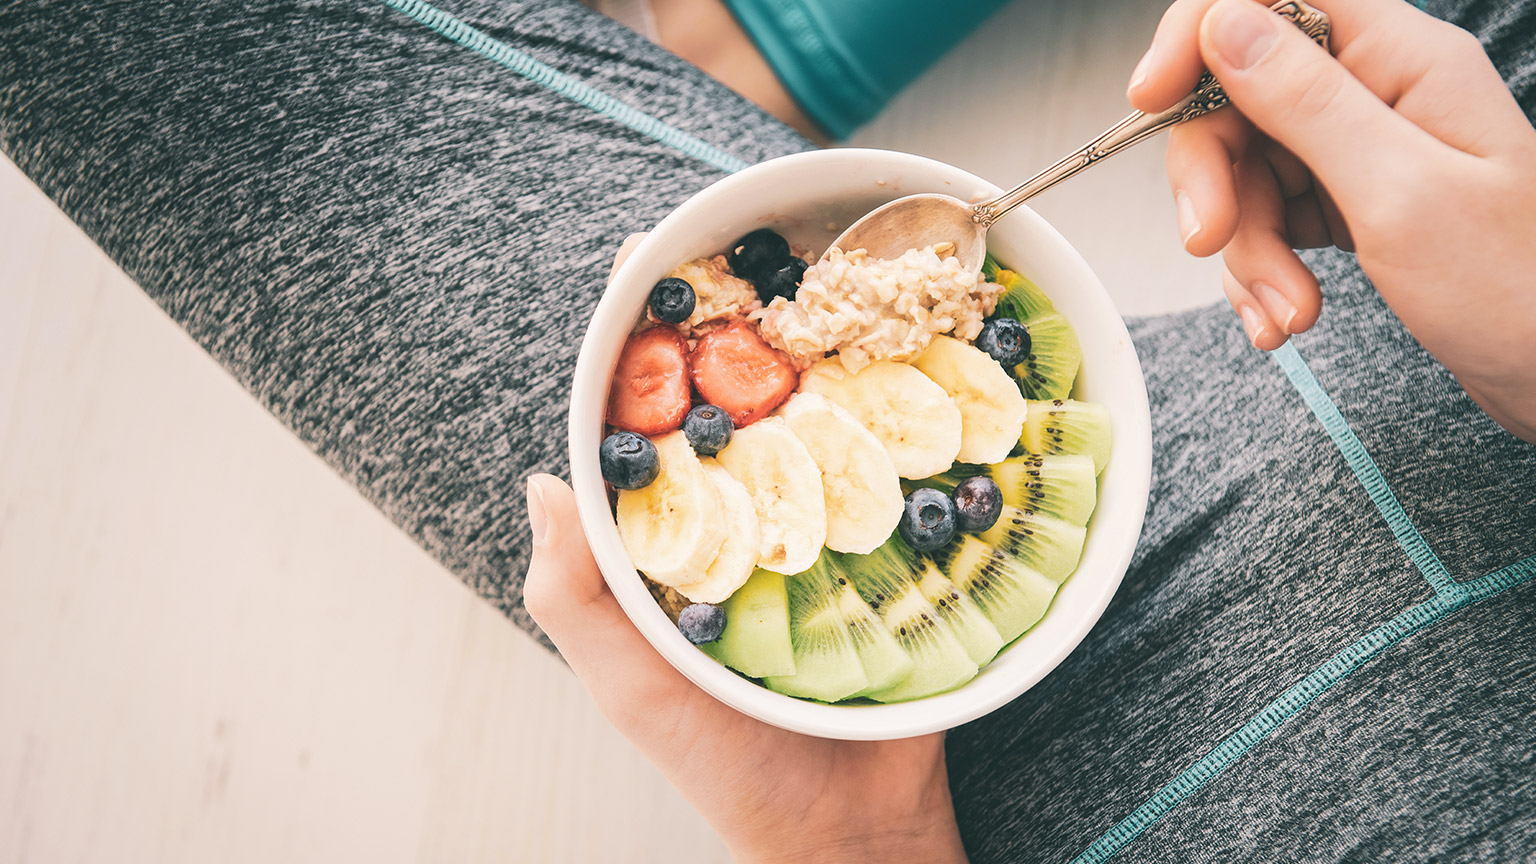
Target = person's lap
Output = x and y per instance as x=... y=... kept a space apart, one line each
x=390 y=239
x=395 y=243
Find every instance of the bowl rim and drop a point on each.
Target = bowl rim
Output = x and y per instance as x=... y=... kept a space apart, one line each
x=967 y=702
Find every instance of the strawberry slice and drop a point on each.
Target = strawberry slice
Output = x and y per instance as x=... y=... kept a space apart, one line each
x=649 y=394
x=734 y=368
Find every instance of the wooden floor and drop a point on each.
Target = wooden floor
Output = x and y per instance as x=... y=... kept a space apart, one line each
x=187 y=673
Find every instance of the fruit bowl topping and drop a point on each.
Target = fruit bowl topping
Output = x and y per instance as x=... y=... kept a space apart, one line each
x=869 y=309
x=649 y=394
x=718 y=294
x=843 y=495
x=733 y=367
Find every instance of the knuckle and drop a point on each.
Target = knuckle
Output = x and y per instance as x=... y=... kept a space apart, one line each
x=537 y=600
x=1318 y=93
x=1458 y=41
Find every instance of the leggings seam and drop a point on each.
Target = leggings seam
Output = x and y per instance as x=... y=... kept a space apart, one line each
x=1365 y=470
x=1449 y=598
x=562 y=84
x=1298 y=696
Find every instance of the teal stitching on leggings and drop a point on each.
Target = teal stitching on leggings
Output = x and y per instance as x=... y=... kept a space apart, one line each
x=1297 y=697
x=584 y=94
x=1449 y=598
x=1364 y=467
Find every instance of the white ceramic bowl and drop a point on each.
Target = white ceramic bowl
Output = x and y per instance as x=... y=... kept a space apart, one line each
x=810 y=198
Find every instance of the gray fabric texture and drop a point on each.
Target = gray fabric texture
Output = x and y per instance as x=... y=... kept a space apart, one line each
x=390 y=240
x=1262 y=557
x=395 y=244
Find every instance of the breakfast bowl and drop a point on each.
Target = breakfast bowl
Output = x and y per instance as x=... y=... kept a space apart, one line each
x=809 y=198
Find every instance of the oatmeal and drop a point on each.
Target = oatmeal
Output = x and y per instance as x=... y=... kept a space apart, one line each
x=719 y=295
x=869 y=309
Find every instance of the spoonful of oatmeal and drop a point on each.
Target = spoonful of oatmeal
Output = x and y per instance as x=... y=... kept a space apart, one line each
x=933 y=220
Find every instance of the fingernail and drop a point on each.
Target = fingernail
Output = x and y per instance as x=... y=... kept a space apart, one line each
x=1242 y=33
x=1279 y=307
x=1252 y=323
x=538 y=519
x=1189 y=220
x=1139 y=77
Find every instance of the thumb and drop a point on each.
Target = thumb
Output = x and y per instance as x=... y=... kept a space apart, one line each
x=566 y=595
x=1298 y=94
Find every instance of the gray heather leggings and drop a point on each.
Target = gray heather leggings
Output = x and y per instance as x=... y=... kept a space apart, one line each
x=1325 y=649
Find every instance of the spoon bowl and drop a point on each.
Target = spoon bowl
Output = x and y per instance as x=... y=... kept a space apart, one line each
x=917 y=221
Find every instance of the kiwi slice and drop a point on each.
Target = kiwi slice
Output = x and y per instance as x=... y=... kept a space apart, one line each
x=1066 y=426
x=1054 y=357
x=826 y=665
x=1021 y=299
x=990 y=268
x=970 y=625
x=821 y=601
x=965 y=619
x=885 y=662
x=1063 y=486
x=756 y=638
x=939 y=661
x=1054 y=354
x=1011 y=595
x=1045 y=544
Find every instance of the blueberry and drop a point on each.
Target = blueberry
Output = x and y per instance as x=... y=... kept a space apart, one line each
x=701 y=622
x=782 y=282
x=672 y=300
x=757 y=254
x=978 y=503
x=628 y=461
x=708 y=428
x=1005 y=339
x=929 y=520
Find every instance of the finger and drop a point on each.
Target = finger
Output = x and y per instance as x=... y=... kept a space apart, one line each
x=1305 y=226
x=1261 y=259
x=1305 y=222
x=1439 y=77
x=1262 y=332
x=1299 y=95
x=1173 y=63
x=1294 y=177
x=1200 y=158
x=1432 y=72
x=1338 y=227
x=566 y=595
x=625 y=249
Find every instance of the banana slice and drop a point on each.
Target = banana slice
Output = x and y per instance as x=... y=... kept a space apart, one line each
x=785 y=486
x=672 y=528
x=911 y=415
x=858 y=479
x=991 y=406
x=738 y=554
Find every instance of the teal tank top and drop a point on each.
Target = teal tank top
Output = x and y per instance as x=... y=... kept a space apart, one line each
x=842 y=60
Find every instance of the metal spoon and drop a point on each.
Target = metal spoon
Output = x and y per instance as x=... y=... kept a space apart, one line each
x=923 y=220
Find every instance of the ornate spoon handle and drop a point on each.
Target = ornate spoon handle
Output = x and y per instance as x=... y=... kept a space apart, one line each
x=1207 y=97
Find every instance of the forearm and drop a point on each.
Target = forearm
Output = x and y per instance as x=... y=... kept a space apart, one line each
x=932 y=844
